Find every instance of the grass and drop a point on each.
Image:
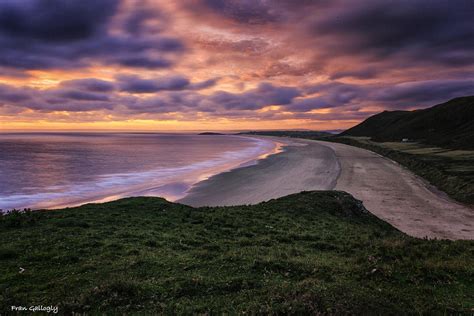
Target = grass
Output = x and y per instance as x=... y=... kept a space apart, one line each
x=313 y=252
x=449 y=170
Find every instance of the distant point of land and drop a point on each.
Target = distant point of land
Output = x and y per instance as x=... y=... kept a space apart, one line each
x=210 y=133
x=291 y=133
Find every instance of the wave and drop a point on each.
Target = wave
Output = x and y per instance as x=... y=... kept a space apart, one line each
x=170 y=183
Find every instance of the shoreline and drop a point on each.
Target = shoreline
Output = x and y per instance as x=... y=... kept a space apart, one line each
x=301 y=166
x=162 y=182
x=387 y=190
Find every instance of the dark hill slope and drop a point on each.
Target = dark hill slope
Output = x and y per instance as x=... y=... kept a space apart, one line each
x=449 y=125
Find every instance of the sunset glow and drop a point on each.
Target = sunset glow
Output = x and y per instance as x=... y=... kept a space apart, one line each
x=227 y=65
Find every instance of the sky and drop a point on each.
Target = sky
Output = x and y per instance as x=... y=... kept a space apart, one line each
x=228 y=65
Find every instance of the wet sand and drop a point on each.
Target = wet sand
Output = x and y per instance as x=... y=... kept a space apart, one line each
x=387 y=189
x=302 y=166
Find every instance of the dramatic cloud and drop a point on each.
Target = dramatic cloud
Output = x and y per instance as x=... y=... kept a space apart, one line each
x=265 y=94
x=134 y=84
x=55 y=20
x=87 y=95
x=366 y=73
x=83 y=96
x=10 y=94
x=424 y=92
x=420 y=30
x=245 y=11
x=38 y=34
x=89 y=84
x=275 y=64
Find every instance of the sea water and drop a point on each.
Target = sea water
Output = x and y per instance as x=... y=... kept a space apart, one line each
x=50 y=170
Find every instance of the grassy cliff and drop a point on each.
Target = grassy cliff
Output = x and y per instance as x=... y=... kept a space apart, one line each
x=448 y=125
x=305 y=253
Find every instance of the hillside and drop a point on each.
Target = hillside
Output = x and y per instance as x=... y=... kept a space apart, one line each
x=449 y=125
x=308 y=253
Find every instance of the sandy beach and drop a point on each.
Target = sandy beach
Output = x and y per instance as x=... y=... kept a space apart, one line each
x=302 y=166
x=387 y=189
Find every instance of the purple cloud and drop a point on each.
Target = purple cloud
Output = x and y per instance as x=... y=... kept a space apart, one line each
x=264 y=95
x=134 y=84
x=55 y=20
x=89 y=84
x=428 y=92
x=37 y=34
x=365 y=73
x=420 y=30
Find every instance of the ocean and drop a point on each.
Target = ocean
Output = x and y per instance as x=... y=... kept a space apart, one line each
x=51 y=170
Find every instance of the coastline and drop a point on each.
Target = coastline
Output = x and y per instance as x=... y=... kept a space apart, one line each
x=293 y=165
x=301 y=166
x=171 y=183
x=387 y=190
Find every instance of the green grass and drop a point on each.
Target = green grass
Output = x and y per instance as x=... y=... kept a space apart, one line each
x=313 y=252
x=449 y=170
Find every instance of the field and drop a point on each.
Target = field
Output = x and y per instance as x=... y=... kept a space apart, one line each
x=450 y=170
x=313 y=252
